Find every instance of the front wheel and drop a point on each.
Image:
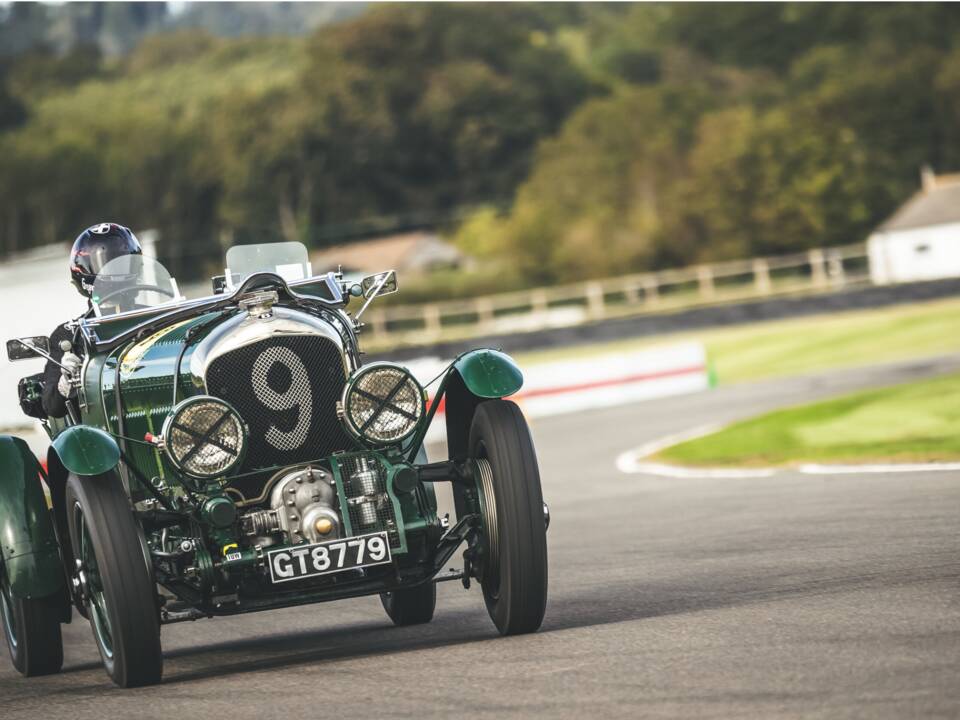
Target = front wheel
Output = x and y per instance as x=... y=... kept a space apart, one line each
x=411 y=606
x=118 y=589
x=513 y=564
x=32 y=629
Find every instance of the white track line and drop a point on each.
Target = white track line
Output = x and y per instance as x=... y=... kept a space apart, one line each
x=633 y=462
x=816 y=469
x=633 y=467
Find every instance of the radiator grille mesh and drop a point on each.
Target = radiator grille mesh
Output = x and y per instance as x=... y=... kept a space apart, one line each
x=286 y=389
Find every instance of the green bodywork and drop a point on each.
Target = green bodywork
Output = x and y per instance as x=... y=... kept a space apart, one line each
x=489 y=373
x=86 y=450
x=145 y=370
x=31 y=555
x=152 y=371
x=30 y=549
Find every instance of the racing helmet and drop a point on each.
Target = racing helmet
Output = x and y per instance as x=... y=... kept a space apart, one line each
x=94 y=248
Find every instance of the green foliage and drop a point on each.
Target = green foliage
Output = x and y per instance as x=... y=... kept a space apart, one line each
x=774 y=35
x=479 y=234
x=592 y=198
x=737 y=130
x=603 y=192
x=409 y=109
x=758 y=186
x=133 y=145
x=622 y=137
x=39 y=72
x=12 y=110
x=157 y=52
x=436 y=105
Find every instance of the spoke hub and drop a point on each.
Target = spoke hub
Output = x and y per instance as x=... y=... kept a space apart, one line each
x=81 y=584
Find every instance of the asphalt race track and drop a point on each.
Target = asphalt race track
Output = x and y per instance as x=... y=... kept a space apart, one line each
x=776 y=597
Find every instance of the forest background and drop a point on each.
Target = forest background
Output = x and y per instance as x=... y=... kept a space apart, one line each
x=551 y=142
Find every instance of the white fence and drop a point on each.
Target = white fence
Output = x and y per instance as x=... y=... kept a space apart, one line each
x=565 y=305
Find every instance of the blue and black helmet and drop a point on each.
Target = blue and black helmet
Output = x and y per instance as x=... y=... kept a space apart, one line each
x=94 y=248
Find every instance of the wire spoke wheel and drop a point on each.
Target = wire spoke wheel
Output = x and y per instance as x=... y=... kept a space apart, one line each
x=31 y=627
x=490 y=563
x=513 y=558
x=92 y=587
x=6 y=612
x=117 y=586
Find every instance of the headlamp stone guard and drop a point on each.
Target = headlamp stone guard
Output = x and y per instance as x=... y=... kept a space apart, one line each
x=200 y=438
x=385 y=403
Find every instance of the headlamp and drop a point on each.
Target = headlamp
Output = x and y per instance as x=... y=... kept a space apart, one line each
x=382 y=404
x=204 y=437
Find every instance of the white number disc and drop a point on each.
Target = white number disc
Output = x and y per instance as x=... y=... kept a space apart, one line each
x=297 y=395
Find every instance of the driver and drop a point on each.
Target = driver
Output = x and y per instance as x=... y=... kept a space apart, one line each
x=93 y=248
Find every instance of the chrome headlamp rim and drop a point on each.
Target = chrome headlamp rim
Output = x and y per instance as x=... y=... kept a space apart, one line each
x=208 y=400
x=347 y=416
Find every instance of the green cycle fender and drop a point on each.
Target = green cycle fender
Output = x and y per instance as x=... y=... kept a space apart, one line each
x=472 y=378
x=489 y=373
x=28 y=543
x=86 y=450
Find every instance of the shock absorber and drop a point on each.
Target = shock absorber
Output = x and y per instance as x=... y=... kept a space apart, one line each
x=364 y=483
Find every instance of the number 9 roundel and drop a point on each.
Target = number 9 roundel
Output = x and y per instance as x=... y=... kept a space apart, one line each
x=297 y=395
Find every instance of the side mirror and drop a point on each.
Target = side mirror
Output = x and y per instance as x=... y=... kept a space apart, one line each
x=384 y=283
x=28 y=347
x=374 y=286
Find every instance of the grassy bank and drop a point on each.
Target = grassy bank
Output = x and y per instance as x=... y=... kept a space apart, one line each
x=918 y=421
x=791 y=347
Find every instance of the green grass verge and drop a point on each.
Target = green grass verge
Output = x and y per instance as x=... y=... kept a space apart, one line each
x=791 y=347
x=917 y=421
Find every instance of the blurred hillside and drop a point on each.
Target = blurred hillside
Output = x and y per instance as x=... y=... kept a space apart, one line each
x=551 y=141
x=114 y=28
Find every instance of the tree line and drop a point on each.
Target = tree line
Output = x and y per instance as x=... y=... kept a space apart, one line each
x=552 y=140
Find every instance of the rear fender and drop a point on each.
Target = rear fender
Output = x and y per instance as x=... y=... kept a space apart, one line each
x=31 y=555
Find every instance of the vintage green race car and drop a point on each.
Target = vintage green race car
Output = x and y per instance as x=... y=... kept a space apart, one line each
x=233 y=453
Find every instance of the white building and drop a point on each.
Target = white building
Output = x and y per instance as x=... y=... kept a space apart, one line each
x=922 y=239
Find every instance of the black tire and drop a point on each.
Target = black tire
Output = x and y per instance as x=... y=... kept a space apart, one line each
x=411 y=606
x=513 y=572
x=120 y=591
x=32 y=630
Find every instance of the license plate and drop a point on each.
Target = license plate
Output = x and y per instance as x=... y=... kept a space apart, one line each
x=303 y=561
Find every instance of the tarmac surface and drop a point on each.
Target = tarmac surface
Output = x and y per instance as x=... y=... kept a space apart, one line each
x=786 y=596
